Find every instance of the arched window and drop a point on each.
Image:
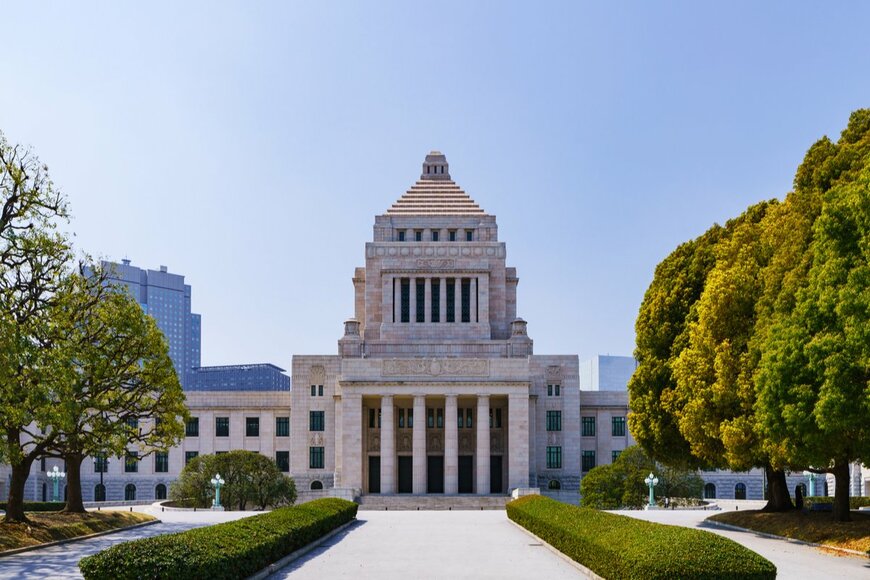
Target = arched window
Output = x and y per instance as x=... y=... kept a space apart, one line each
x=315 y=485
x=740 y=491
x=100 y=492
x=160 y=491
x=554 y=484
x=803 y=488
x=129 y=492
x=826 y=487
x=709 y=491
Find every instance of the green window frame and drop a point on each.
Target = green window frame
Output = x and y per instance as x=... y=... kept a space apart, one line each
x=588 y=460
x=131 y=462
x=252 y=426
x=282 y=460
x=161 y=462
x=191 y=429
x=189 y=456
x=315 y=458
x=554 y=420
x=221 y=426
x=588 y=424
x=618 y=426
x=282 y=426
x=554 y=457
x=316 y=421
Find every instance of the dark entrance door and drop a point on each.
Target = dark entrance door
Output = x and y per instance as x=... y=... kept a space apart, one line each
x=435 y=471
x=374 y=474
x=406 y=474
x=466 y=474
x=495 y=483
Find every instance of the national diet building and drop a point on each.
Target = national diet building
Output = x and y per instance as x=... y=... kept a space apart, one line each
x=435 y=388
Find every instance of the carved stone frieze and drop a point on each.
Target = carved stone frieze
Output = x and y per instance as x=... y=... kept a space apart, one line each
x=437 y=367
x=436 y=263
x=495 y=443
x=374 y=441
x=554 y=372
x=317 y=439
x=466 y=443
x=434 y=442
x=317 y=374
x=405 y=442
x=554 y=438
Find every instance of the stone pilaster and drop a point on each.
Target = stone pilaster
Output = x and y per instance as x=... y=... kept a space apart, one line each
x=388 y=446
x=442 y=304
x=427 y=299
x=518 y=440
x=397 y=299
x=412 y=314
x=473 y=298
x=451 y=446
x=482 y=449
x=419 y=445
x=351 y=440
x=457 y=300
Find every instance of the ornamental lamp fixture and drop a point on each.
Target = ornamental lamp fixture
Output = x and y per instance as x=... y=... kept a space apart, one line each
x=652 y=481
x=217 y=482
x=55 y=475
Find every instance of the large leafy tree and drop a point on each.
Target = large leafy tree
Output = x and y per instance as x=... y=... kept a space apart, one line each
x=34 y=258
x=814 y=377
x=120 y=387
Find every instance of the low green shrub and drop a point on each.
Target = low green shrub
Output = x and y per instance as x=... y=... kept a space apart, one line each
x=615 y=546
x=39 y=506
x=231 y=550
x=854 y=502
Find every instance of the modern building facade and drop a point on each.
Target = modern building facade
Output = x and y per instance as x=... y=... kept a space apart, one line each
x=167 y=299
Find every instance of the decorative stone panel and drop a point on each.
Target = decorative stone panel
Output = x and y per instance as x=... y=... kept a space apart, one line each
x=434 y=367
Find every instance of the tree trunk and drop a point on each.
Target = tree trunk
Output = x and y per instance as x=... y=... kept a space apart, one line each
x=841 y=492
x=74 y=503
x=779 y=499
x=15 y=502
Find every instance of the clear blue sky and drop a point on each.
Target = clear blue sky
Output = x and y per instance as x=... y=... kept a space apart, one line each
x=249 y=145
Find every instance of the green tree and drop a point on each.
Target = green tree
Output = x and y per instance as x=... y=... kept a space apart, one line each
x=120 y=387
x=34 y=258
x=250 y=478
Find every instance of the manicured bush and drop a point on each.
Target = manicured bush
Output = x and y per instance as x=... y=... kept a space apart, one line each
x=39 y=506
x=231 y=550
x=615 y=546
x=854 y=502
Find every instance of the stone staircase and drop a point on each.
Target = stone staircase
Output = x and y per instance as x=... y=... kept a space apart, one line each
x=432 y=502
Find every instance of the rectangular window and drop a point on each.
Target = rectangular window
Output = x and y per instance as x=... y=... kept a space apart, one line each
x=618 y=426
x=406 y=299
x=401 y=236
x=498 y=418
x=101 y=464
x=553 y=390
x=435 y=236
x=371 y=418
x=460 y=418
x=282 y=459
x=316 y=421
x=557 y=390
x=466 y=299
x=588 y=460
x=439 y=418
x=451 y=300
x=614 y=455
x=588 y=426
x=549 y=390
x=451 y=235
x=436 y=300
x=131 y=462
x=430 y=418
x=468 y=418
x=189 y=455
x=133 y=423
x=554 y=420
x=315 y=458
x=410 y=418
x=282 y=426
x=469 y=235
x=192 y=427
x=401 y=416
x=252 y=426
x=418 y=235
x=421 y=300
x=313 y=390
x=554 y=457
x=222 y=426
x=161 y=462
x=319 y=390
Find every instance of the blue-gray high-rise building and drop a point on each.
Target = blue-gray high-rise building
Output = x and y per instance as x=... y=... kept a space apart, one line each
x=166 y=298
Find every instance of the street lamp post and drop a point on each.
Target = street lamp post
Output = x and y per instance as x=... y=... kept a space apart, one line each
x=217 y=482
x=55 y=475
x=652 y=481
x=812 y=479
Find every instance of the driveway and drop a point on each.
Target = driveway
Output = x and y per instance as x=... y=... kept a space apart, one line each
x=430 y=544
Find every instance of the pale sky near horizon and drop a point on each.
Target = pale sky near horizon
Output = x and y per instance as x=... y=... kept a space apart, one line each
x=249 y=146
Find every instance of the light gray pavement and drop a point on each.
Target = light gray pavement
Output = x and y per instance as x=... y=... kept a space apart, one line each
x=792 y=560
x=430 y=544
x=62 y=561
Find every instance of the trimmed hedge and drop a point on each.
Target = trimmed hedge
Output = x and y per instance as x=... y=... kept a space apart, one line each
x=234 y=549
x=39 y=506
x=854 y=502
x=615 y=546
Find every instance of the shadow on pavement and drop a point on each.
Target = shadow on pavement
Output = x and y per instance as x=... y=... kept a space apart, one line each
x=319 y=550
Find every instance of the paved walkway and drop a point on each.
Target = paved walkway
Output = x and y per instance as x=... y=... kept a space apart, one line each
x=430 y=544
x=791 y=560
x=62 y=561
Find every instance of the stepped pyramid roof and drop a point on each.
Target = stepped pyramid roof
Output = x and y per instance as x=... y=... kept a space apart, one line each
x=435 y=193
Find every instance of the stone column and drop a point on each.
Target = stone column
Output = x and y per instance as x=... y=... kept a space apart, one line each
x=351 y=441
x=442 y=303
x=388 y=446
x=451 y=447
x=482 y=448
x=387 y=297
x=457 y=301
x=518 y=440
x=397 y=299
x=473 y=298
x=412 y=289
x=427 y=299
x=419 y=445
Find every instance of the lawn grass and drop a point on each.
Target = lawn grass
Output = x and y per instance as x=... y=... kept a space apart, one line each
x=51 y=526
x=816 y=527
